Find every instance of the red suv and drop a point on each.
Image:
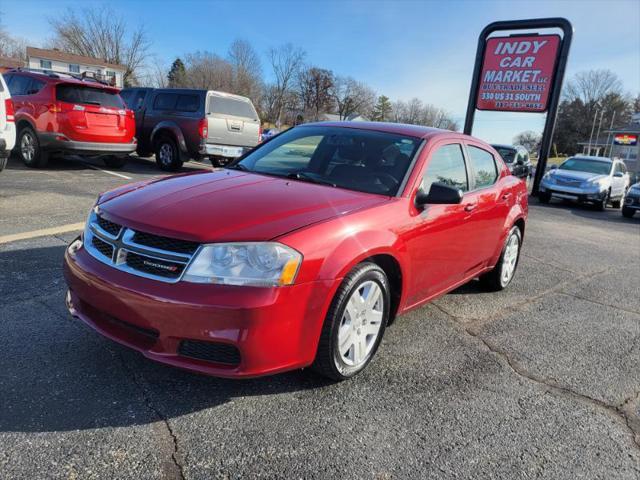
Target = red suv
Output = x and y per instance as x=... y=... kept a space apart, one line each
x=58 y=113
x=300 y=253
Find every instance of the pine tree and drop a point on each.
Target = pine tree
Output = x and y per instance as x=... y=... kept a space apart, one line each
x=177 y=74
x=382 y=110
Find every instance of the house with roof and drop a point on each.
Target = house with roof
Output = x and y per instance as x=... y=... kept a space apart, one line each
x=62 y=62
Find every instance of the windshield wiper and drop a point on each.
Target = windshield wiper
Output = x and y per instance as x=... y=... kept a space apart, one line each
x=307 y=178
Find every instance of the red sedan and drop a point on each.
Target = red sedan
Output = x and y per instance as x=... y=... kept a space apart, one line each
x=300 y=253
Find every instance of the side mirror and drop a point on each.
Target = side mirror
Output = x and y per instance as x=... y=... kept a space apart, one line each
x=553 y=167
x=439 y=194
x=618 y=174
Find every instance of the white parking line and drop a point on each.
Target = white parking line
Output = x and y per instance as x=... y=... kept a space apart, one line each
x=71 y=227
x=108 y=171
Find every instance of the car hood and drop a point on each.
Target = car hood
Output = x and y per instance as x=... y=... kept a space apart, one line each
x=573 y=175
x=227 y=205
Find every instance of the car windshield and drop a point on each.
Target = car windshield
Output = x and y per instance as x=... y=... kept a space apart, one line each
x=586 y=165
x=507 y=154
x=362 y=160
x=89 y=96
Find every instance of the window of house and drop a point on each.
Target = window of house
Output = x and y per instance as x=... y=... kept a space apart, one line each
x=74 y=68
x=484 y=167
x=111 y=73
x=446 y=166
x=45 y=64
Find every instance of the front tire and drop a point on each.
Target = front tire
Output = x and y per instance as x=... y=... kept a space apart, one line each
x=355 y=323
x=602 y=204
x=628 y=212
x=500 y=277
x=167 y=155
x=30 y=150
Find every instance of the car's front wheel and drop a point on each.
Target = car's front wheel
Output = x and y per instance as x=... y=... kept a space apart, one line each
x=628 y=212
x=355 y=323
x=500 y=277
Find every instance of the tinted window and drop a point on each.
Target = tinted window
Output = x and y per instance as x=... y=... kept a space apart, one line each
x=165 y=101
x=507 y=154
x=484 y=167
x=19 y=85
x=350 y=158
x=446 y=166
x=188 y=103
x=88 y=95
x=231 y=106
x=35 y=86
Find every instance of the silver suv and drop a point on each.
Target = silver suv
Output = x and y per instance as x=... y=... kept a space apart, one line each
x=597 y=180
x=178 y=124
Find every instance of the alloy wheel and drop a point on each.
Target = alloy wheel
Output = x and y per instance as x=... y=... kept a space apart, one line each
x=166 y=154
x=27 y=147
x=510 y=259
x=360 y=324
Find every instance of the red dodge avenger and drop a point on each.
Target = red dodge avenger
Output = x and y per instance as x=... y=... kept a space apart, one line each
x=298 y=254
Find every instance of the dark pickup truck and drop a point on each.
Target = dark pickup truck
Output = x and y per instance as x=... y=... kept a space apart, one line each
x=179 y=124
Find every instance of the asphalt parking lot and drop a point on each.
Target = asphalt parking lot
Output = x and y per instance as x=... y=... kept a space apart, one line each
x=539 y=381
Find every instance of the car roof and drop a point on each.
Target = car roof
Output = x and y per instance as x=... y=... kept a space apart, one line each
x=500 y=145
x=387 y=127
x=594 y=158
x=55 y=77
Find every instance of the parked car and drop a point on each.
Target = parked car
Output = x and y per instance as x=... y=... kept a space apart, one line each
x=596 y=180
x=517 y=159
x=298 y=254
x=58 y=113
x=178 y=124
x=7 y=124
x=267 y=133
x=631 y=201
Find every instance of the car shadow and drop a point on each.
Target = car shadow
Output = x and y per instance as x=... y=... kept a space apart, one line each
x=613 y=215
x=56 y=374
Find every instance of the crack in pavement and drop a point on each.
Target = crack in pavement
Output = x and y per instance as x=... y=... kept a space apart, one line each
x=542 y=262
x=175 y=470
x=597 y=302
x=624 y=412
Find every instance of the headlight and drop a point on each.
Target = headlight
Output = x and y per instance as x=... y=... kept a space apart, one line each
x=259 y=264
x=598 y=182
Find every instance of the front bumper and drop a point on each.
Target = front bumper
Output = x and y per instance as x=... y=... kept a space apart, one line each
x=578 y=194
x=273 y=329
x=60 y=143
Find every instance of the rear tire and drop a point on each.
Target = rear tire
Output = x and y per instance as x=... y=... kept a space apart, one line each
x=628 y=212
x=544 y=197
x=113 y=161
x=167 y=155
x=355 y=323
x=500 y=277
x=3 y=162
x=30 y=150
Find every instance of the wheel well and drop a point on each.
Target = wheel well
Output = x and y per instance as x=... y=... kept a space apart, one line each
x=520 y=224
x=163 y=132
x=391 y=268
x=22 y=124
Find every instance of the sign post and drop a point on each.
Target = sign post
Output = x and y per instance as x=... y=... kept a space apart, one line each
x=521 y=73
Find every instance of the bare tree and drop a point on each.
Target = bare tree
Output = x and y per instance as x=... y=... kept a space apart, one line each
x=285 y=62
x=11 y=46
x=352 y=97
x=208 y=71
x=247 y=70
x=593 y=85
x=418 y=113
x=101 y=33
x=528 y=139
x=314 y=91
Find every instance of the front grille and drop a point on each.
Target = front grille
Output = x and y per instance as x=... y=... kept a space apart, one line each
x=210 y=352
x=164 y=243
x=567 y=182
x=154 y=266
x=104 y=248
x=109 y=227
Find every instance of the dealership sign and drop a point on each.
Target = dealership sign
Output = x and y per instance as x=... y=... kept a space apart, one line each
x=625 y=139
x=517 y=73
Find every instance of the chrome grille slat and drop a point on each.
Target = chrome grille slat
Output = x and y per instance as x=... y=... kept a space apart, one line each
x=132 y=257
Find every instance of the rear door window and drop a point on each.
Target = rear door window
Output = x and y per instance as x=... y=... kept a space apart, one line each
x=19 y=85
x=88 y=95
x=165 y=101
x=446 y=166
x=35 y=86
x=232 y=107
x=188 y=103
x=483 y=165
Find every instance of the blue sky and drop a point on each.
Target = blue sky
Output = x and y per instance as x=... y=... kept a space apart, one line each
x=402 y=49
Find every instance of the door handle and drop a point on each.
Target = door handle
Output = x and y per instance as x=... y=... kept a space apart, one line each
x=469 y=207
x=506 y=196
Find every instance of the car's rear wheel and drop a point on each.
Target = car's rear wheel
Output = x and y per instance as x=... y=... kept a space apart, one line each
x=500 y=277
x=114 y=161
x=544 y=197
x=3 y=162
x=30 y=150
x=168 y=155
x=355 y=323
x=628 y=212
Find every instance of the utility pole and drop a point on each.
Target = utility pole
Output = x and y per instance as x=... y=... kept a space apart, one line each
x=609 y=135
x=593 y=127
x=600 y=125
